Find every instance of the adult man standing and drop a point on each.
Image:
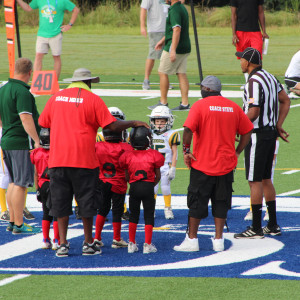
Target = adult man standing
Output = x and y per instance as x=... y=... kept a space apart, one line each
x=177 y=47
x=261 y=95
x=51 y=15
x=213 y=124
x=247 y=22
x=19 y=118
x=74 y=116
x=156 y=12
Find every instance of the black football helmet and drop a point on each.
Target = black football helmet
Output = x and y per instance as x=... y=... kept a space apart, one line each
x=45 y=138
x=112 y=136
x=141 y=138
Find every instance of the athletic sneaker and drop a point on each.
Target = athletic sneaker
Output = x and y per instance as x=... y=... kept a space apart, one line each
x=274 y=230
x=55 y=244
x=46 y=244
x=249 y=233
x=125 y=216
x=182 y=107
x=27 y=214
x=169 y=213
x=5 y=216
x=188 y=245
x=119 y=244
x=91 y=249
x=293 y=95
x=98 y=243
x=63 y=250
x=248 y=216
x=218 y=244
x=146 y=84
x=132 y=247
x=266 y=217
x=9 y=227
x=149 y=248
x=158 y=104
x=26 y=229
x=78 y=217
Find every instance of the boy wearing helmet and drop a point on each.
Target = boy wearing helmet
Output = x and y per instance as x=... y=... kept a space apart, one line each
x=113 y=184
x=142 y=167
x=165 y=140
x=39 y=157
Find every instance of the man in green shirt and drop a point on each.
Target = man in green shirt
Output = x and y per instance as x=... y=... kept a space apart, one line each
x=51 y=15
x=19 y=121
x=177 y=47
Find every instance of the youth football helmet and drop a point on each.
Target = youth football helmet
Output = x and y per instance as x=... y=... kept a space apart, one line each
x=45 y=138
x=112 y=136
x=141 y=138
x=161 y=112
x=116 y=112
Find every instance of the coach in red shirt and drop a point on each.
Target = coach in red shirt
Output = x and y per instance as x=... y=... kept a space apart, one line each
x=213 y=123
x=74 y=116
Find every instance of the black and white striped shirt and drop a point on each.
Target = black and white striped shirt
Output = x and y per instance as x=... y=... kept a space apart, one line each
x=262 y=90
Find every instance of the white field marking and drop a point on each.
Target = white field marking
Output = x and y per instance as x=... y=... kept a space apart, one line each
x=149 y=97
x=271 y=268
x=290 y=172
x=13 y=278
x=296 y=105
x=290 y=193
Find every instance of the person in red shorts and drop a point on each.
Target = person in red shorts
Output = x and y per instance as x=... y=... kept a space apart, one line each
x=248 y=25
x=213 y=123
x=142 y=167
x=74 y=116
x=114 y=185
x=39 y=157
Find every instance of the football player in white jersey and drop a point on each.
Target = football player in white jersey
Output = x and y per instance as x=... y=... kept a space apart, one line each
x=165 y=140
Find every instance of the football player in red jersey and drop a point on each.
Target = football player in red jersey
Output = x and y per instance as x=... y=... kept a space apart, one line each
x=39 y=157
x=142 y=167
x=113 y=183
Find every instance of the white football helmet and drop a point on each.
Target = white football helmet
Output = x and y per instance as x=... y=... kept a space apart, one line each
x=116 y=112
x=161 y=112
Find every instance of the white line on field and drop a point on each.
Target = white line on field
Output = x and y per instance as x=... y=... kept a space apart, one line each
x=290 y=172
x=13 y=278
x=289 y=193
x=296 y=105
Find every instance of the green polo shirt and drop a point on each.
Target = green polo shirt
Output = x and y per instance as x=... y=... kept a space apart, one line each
x=15 y=99
x=51 y=15
x=178 y=16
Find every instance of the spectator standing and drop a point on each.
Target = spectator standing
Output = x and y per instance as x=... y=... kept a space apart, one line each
x=266 y=104
x=213 y=124
x=20 y=129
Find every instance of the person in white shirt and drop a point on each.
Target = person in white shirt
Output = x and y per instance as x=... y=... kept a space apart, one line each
x=292 y=76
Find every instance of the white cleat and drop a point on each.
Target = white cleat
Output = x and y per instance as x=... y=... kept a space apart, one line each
x=248 y=216
x=132 y=247
x=169 y=213
x=188 y=245
x=149 y=248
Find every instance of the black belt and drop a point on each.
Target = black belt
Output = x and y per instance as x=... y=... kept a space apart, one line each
x=264 y=129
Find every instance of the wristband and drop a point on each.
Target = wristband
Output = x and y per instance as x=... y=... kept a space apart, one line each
x=186 y=148
x=70 y=24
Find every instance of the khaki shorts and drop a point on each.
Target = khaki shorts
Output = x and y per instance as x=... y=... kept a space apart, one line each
x=54 y=43
x=169 y=68
x=154 y=38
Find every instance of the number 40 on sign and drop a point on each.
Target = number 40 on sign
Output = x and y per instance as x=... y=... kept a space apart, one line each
x=44 y=83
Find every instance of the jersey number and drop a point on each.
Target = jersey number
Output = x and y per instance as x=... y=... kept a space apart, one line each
x=157 y=147
x=109 y=167
x=141 y=172
x=45 y=174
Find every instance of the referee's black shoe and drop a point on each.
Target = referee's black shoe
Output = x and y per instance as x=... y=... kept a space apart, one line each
x=272 y=230
x=250 y=233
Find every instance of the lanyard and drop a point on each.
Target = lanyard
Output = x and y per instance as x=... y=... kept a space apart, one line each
x=49 y=6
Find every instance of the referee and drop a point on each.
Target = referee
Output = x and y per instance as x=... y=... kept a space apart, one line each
x=267 y=105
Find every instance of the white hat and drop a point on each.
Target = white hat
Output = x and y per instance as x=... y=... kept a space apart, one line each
x=81 y=75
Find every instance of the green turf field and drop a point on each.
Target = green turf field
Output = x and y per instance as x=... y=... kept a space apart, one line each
x=120 y=58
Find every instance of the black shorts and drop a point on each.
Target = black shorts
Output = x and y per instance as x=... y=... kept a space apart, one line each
x=291 y=82
x=68 y=182
x=203 y=187
x=259 y=155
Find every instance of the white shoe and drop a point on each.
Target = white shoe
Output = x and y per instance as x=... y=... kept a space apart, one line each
x=119 y=244
x=188 y=245
x=293 y=95
x=149 y=248
x=132 y=247
x=266 y=217
x=46 y=244
x=99 y=243
x=169 y=213
x=218 y=244
x=248 y=216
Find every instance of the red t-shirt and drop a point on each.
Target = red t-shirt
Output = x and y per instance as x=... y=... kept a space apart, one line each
x=215 y=121
x=110 y=171
x=39 y=157
x=74 y=116
x=141 y=164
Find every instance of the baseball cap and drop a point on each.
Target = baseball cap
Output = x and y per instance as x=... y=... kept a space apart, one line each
x=250 y=54
x=212 y=82
x=82 y=74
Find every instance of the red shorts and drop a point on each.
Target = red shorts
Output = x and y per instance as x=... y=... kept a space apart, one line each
x=249 y=39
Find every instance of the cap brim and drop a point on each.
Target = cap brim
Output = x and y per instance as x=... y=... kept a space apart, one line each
x=239 y=54
x=93 y=79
